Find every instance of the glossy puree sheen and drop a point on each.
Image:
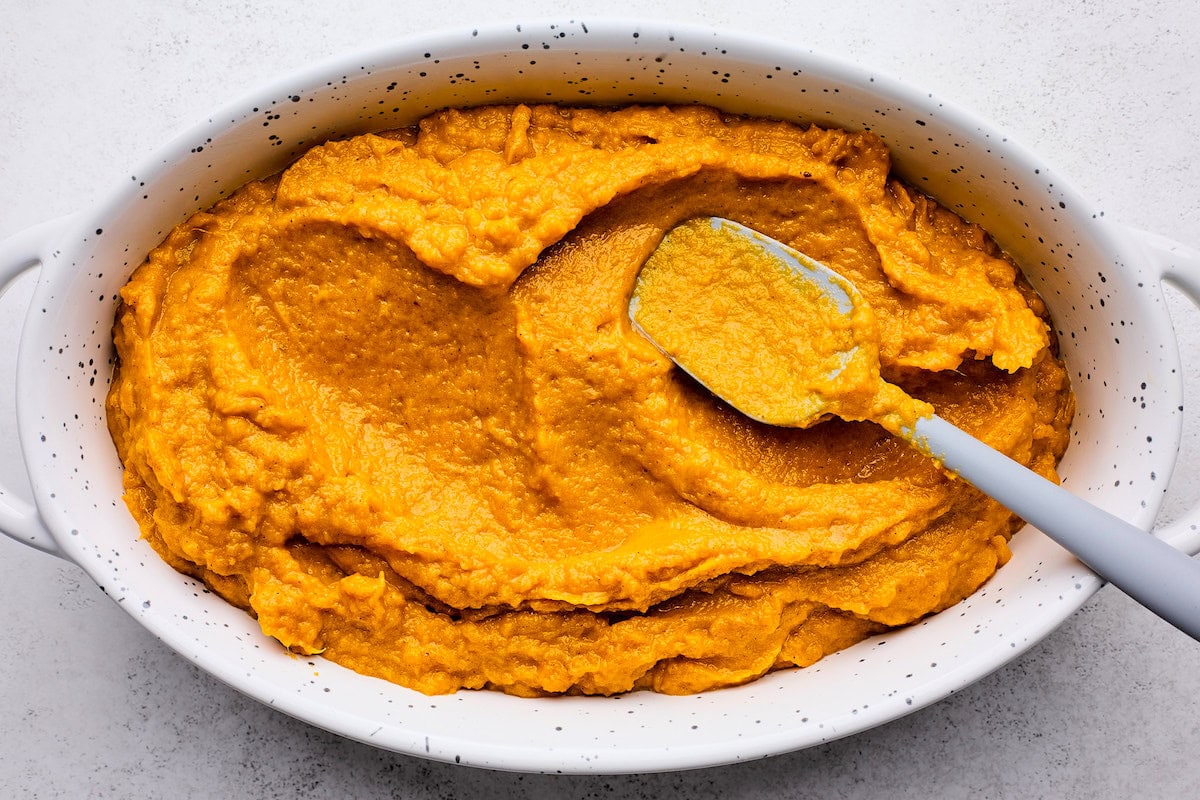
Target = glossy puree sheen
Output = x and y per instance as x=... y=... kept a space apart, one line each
x=391 y=403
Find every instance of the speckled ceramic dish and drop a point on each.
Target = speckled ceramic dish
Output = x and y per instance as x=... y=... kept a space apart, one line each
x=1102 y=283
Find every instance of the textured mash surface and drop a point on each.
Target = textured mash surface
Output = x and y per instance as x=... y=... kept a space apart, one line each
x=390 y=402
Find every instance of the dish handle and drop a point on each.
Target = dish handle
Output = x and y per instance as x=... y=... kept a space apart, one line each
x=1179 y=266
x=19 y=253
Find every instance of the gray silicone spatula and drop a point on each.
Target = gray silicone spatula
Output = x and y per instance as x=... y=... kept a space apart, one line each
x=720 y=329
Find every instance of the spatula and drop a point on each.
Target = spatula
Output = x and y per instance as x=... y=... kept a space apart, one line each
x=787 y=341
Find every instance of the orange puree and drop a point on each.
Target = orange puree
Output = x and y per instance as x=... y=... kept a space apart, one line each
x=390 y=402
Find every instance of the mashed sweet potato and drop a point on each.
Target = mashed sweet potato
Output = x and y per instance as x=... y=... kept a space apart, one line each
x=391 y=403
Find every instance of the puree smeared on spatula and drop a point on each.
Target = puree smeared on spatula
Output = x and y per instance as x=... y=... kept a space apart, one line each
x=390 y=402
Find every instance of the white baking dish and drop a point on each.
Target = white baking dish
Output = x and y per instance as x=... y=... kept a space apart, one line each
x=1102 y=283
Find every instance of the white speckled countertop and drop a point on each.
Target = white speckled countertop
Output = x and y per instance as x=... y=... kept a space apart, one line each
x=95 y=706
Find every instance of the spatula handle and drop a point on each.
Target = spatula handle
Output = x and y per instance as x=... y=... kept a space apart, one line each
x=1149 y=570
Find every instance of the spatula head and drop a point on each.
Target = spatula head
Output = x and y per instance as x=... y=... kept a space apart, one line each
x=776 y=334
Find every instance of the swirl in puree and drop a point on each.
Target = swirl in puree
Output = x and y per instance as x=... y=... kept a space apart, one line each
x=390 y=402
